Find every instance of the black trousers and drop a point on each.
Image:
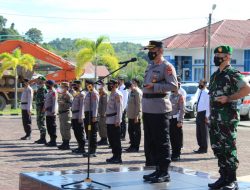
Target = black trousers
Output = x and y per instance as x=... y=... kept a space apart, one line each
x=134 y=131
x=92 y=134
x=123 y=125
x=26 y=119
x=51 y=127
x=156 y=137
x=201 y=130
x=78 y=132
x=176 y=136
x=114 y=140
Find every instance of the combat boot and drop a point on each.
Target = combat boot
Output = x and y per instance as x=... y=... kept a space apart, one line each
x=102 y=142
x=231 y=181
x=160 y=177
x=42 y=139
x=221 y=182
x=51 y=143
x=148 y=177
x=64 y=145
x=26 y=137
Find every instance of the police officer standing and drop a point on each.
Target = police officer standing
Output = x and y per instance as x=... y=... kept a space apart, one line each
x=113 y=121
x=78 y=116
x=51 y=108
x=103 y=100
x=26 y=106
x=226 y=86
x=91 y=102
x=134 y=115
x=65 y=103
x=40 y=115
x=160 y=77
x=176 y=123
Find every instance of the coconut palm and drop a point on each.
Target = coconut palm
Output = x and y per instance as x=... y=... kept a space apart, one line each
x=97 y=52
x=14 y=60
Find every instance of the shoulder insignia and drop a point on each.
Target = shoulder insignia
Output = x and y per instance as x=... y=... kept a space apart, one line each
x=117 y=98
x=53 y=94
x=181 y=99
x=169 y=70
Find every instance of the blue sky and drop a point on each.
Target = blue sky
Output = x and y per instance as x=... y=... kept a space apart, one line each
x=122 y=20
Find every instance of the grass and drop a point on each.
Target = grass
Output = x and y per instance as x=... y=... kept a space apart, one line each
x=9 y=111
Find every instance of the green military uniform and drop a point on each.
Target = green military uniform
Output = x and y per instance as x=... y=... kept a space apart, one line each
x=225 y=117
x=40 y=115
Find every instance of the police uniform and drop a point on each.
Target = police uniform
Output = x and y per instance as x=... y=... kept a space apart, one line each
x=134 y=112
x=103 y=100
x=40 y=114
x=26 y=106
x=77 y=119
x=156 y=108
x=114 y=117
x=51 y=109
x=65 y=103
x=224 y=120
x=91 y=102
x=176 y=116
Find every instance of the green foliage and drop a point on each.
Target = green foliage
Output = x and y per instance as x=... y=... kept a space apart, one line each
x=7 y=31
x=2 y=22
x=35 y=35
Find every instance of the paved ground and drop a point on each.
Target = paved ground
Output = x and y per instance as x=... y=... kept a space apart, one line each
x=24 y=156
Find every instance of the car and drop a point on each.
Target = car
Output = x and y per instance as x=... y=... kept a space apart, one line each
x=244 y=107
x=191 y=98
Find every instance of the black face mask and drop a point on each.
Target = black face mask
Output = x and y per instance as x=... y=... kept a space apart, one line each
x=218 y=60
x=152 y=55
x=200 y=86
x=110 y=87
x=48 y=87
x=75 y=88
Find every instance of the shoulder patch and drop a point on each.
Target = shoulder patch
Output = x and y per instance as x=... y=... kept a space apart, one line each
x=169 y=70
x=53 y=94
x=181 y=99
x=117 y=98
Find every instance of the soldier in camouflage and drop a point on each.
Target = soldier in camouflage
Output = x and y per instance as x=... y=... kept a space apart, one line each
x=226 y=86
x=40 y=115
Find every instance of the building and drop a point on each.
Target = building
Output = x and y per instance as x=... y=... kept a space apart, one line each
x=187 y=51
x=89 y=72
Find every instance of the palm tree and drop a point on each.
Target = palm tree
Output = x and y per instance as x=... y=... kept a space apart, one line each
x=14 y=60
x=98 y=52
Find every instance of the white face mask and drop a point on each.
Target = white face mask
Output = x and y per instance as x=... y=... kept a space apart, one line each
x=98 y=86
x=60 y=90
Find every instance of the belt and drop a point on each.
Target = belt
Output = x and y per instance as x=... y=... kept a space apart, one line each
x=24 y=102
x=64 y=111
x=75 y=111
x=111 y=114
x=154 y=95
x=173 y=116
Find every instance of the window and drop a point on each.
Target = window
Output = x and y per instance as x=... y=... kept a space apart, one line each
x=198 y=73
x=199 y=61
x=233 y=61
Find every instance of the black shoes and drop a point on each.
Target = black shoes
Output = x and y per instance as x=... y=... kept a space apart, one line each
x=78 y=151
x=175 y=158
x=41 y=141
x=131 y=149
x=114 y=160
x=51 y=144
x=218 y=184
x=102 y=142
x=200 y=151
x=26 y=137
x=157 y=177
x=231 y=186
x=64 y=145
x=91 y=154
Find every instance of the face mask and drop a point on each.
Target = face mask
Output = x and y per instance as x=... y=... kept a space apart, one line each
x=75 y=88
x=152 y=55
x=200 y=86
x=48 y=87
x=110 y=87
x=218 y=60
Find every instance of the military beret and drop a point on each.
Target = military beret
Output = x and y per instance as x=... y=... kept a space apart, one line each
x=223 y=49
x=42 y=78
x=153 y=44
x=50 y=82
x=128 y=85
x=112 y=81
x=65 y=84
x=89 y=81
x=77 y=82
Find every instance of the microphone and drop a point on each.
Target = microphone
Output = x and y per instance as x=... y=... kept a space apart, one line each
x=126 y=62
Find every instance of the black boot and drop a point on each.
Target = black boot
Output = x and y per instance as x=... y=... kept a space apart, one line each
x=26 y=137
x=148 y=177
x=42 y=139
x=64 y=145
x=102 y=142
x=221 y=182
x=51 y=143
x=160 y=177
x=231 y=181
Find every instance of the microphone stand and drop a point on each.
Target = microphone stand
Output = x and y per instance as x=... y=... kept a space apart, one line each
x=88 y=180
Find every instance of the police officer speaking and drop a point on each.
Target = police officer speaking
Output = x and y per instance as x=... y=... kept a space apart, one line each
x=225 y=88
x=160 y=77
x=26 y=106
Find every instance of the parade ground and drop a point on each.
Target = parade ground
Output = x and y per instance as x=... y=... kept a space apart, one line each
x=18 y=156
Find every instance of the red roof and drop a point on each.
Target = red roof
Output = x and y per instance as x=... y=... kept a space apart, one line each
x=235 y=33
x=101 y=70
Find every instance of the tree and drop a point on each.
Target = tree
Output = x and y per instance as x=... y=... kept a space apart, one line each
x=35 y=35
x=2 y=22
x=98 y=52
x=14 y=60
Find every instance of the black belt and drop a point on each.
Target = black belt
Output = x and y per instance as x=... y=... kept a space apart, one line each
x=154 y=95
x=75 y=111
x=24 y=102
x=111 y=114
x=64 y=111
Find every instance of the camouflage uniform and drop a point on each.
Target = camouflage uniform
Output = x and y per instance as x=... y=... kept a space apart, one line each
x=225 y=117
x=40 y=115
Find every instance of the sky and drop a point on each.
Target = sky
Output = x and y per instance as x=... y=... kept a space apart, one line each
x=135 y=21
